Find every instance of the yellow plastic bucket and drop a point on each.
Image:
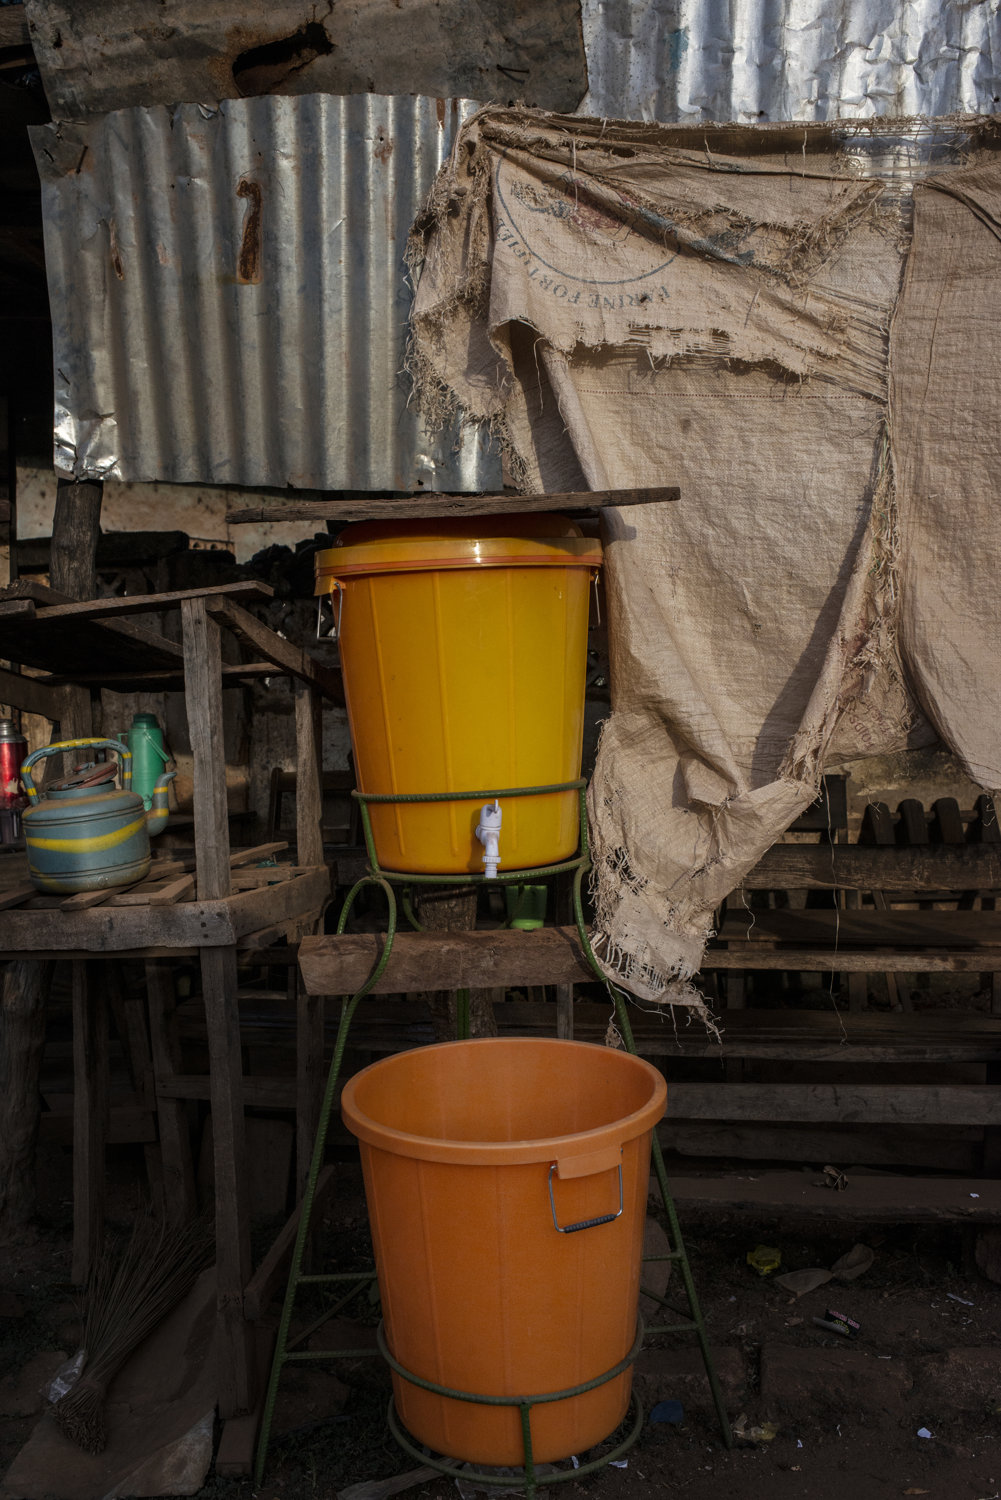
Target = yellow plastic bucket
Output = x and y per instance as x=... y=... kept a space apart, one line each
x=464 y=651
x=495 y=1171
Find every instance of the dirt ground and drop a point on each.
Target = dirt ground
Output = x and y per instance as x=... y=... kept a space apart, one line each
x=846 y=1414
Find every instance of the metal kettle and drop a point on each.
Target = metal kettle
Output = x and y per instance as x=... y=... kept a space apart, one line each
x=86 y=834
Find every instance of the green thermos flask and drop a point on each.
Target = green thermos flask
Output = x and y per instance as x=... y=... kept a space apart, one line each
x=145 y=741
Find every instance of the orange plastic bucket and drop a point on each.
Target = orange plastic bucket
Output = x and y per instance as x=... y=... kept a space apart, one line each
x=473 y=1153
x=463 y=649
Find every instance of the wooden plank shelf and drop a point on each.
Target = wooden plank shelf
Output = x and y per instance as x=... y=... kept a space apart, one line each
x=218 y=923
x=212 y=906
x=436 y=506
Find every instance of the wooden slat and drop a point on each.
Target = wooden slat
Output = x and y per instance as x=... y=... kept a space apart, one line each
x=416 y=507
x=309 y=775
x=33 y=694
x=236 y=1366
x=203 y=702
x=956 y=1148
x=878 y=1198
x=863 y=929
x=825 y=960
x=258 y=852
x=259 y=1093
x=283 y=653
x=860 y=867
x=17 y=894
x=860 y=1104
x=138 y=604
x=333 y=965
x=173 y=891
x=234 y=674
x=179 y=1192
x=69 y=646
x=90 y=1113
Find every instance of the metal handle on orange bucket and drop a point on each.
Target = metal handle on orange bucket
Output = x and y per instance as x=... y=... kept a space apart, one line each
x=585 y=1166
x=335 y=634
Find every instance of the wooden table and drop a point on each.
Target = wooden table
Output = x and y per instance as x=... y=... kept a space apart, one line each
x=197 y=910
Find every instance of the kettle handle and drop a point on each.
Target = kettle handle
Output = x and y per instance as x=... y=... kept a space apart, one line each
x=124 y=760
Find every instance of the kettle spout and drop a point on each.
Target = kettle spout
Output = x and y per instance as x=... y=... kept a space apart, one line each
x=156 y=818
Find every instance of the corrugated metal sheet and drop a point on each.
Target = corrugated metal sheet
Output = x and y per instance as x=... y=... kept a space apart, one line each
x=685 y=61
x=228 y=293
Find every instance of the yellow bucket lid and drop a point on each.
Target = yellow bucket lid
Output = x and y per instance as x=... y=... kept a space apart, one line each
x=526 y=540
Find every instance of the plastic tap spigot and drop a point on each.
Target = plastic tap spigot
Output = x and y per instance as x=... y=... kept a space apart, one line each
x=488 y=832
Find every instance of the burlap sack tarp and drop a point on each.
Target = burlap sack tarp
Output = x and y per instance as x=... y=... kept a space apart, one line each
x=628 y=312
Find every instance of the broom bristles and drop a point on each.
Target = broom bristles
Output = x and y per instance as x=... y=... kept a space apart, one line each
x=127 y=1297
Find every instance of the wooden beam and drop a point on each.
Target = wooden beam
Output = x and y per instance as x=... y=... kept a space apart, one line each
x=825 y=959
x=863 y=929
x=842 y=1104
x=249 y=590
x=90 y=1117
x=180 y=1197
x=236 y=1368
x=203 y=703
x=309 y=775
x=275 y=648
x=334 y=965
x=24 y=990
x=33 y=694
x=76 y=526
x=234 y=674
x=420 y=961
x=927 y=867
x=416 y=507
x=258 y=1093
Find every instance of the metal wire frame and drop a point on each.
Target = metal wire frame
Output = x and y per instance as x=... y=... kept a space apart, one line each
x=385 y=881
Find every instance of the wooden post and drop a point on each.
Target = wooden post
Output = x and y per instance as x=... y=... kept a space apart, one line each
x=76 y=527
x=308 y=775
x=180 y=1201
x=23 y=991
x=203 y=702
x=90 y=1117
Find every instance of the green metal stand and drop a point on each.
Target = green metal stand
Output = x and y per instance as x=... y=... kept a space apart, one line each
x=286 y=1353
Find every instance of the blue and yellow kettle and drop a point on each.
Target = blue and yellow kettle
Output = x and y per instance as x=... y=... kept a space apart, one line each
x=86 y=834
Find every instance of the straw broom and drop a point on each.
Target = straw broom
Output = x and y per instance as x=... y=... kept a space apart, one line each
x=127 y=1296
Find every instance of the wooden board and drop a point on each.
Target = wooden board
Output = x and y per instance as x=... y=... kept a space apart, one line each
x=189 y=924
x=275 y=648
x=248 y=590
x=70 y=646
x=863 y=929
x=334 y=965
x=876 y=1198
x=419 y=506
x=859 y=867
x=846 y=1104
